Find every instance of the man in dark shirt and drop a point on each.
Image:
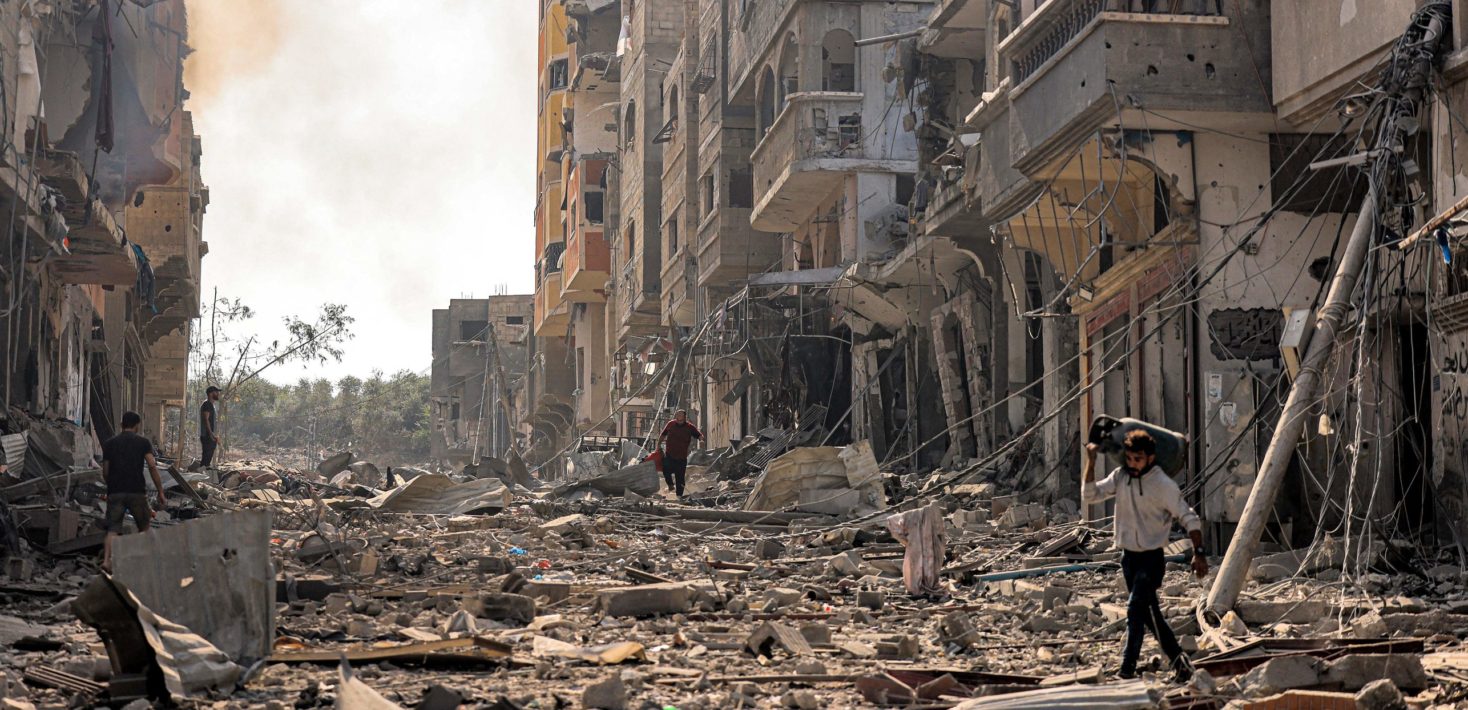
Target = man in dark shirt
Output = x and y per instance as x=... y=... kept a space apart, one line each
x=675 y=441
x=123 y=457
x=208 y=427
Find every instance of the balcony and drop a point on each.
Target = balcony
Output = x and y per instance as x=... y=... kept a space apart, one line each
x=98 y=252
x=1078 y=65
x=638 y=289
x=587 y=266
x=552 y=315
x=815 y=141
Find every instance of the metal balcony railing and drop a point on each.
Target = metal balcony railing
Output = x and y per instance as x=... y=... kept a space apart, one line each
x=1057 y=22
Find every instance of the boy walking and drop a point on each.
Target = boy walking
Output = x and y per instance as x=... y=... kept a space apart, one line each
x=1148 y=501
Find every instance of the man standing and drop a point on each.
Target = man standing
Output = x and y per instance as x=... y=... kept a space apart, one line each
x=123 y=457
x=675 y=441
x=1147 y=503
x=208 y=427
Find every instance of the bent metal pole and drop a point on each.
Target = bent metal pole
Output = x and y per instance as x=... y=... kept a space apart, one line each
x=1406 y=77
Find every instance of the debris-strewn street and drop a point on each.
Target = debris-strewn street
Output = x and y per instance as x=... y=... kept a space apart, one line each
x=919 y=354
x=274 y=587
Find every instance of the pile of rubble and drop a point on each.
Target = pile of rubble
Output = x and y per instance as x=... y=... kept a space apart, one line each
x=795 y=584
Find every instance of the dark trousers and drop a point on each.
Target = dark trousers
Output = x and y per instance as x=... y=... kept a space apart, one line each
x=207 y=446
x=674 y=473
x=1143 y=573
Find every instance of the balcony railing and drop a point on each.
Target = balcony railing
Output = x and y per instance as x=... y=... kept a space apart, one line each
x=1057 y=22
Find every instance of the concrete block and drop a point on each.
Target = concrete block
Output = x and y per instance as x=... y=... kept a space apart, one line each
x=1356 y=671
x=502 y=606
x=1380 y=695
x=645 y=600
x=1282 y=673
x=1273 y=612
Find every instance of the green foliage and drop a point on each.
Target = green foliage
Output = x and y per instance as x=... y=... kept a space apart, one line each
x=382 y=418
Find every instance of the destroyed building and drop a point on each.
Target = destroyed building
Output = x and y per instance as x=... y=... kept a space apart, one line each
x=480 y=353
x=104 y=244
x=962 y=230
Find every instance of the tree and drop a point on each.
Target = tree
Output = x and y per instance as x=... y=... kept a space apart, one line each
x=315 y=341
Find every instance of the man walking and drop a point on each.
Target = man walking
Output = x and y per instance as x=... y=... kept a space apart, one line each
x=1147 y=503
x=123 y=457
x=208 y=427
x=675 y=441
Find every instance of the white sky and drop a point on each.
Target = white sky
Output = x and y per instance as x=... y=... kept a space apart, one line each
x=368 y=152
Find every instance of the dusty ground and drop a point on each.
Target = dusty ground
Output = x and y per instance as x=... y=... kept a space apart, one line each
x=835 y=593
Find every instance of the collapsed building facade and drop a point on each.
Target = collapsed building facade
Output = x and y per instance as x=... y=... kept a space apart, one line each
x=962 y=230
x=103 y=247
x=476 y=384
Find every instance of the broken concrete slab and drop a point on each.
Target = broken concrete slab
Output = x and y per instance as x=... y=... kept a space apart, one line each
x=438 y=494
x=1355 y=671
x=645 y=600
x=143 y=646
x=814 y=479
x=771 y=635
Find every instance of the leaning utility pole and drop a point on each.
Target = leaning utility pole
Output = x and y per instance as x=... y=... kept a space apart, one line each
x=1401 y=90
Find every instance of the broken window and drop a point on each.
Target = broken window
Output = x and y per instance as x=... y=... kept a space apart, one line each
x=838 y=61
x=559 y=74
x=741 y=188
x=514 y=320
x=473 y=330
x=706 y=194
x=592 y=203
x=766 y=102
x=671 y=229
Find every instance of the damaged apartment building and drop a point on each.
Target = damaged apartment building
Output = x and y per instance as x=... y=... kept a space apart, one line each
x=101 y=190
x=962 y=230
x=479 y=357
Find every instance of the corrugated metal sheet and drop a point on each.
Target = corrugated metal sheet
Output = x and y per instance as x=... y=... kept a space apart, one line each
x=14 y=446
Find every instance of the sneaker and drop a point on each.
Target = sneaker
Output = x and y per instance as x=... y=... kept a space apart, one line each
x=1125 y=673
x=1182 y=669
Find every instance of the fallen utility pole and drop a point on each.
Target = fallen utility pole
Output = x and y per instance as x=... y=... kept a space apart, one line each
x=1402 y=83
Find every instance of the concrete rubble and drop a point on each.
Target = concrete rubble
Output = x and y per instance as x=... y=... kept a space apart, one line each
x=321 y=595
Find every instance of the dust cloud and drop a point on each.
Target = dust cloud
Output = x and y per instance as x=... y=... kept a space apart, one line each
x=231 y=39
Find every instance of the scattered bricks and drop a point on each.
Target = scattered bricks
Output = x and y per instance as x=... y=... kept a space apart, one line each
x=898 y=647
x=494 y=564
x=548 y=592
x=1380 y=695
x=365 y=564
x=645 y=600
x=1356 y=671
x=1232 y=625
x=845 y=564
x=1369 y=626
x=780 y=597
x=958 y=629
x=801 y=700
x=607 y=694
x=338 y=603
x=502 y=606
x=1024 y=515
x=968 y=519
x=871 y=599
x=1000 y=505
x=981 y=491
x=816 y=634
x=563 y=524
x=1280 y=674
x=1055 y=596
x=19 y=569
x=1273 y=612
x=768 y=549
x=810 y=667
x=769 y=635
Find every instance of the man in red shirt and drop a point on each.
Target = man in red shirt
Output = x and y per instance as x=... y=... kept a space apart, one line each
x=675 y=440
